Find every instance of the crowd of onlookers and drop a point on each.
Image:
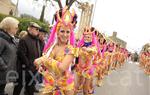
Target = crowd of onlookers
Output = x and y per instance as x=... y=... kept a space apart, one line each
x=17 y=55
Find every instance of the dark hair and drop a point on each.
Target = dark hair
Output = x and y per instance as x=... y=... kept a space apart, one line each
x=104 y=42
x=42 y=30
x=92 y=29
x=75 y=19
x=60 y=14
x=97 y=33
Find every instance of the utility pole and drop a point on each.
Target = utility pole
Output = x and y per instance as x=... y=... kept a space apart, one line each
x=43 y=10
x=86 y=15
x=16 y=9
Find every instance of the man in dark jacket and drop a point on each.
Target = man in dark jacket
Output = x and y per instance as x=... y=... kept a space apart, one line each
x=43 y=37
x=28 y=51
x=8 y=48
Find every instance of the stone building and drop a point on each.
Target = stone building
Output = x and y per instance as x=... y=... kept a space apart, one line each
x=118 y=40
x=7 y=7
x=86 y=17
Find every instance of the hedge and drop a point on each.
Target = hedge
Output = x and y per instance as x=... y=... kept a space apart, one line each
x=2 y=16
x=24 y=22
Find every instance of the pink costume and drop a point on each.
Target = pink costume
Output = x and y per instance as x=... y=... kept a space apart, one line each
x=86 y=65
x=49 y=64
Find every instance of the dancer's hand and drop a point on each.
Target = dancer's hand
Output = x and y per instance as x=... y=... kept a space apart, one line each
x=39 y=61
x=84 y=48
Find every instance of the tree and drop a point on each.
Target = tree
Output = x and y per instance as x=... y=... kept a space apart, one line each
x=59 y=3
x=27 y=16
x=11 y=12
x=43 y=10
x=42 y=13
x=136 y=57
x=68 y=3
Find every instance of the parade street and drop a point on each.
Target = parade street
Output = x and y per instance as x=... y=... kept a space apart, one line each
x=129 y=80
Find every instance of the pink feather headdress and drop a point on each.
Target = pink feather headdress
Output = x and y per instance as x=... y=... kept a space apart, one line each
x=64 y=20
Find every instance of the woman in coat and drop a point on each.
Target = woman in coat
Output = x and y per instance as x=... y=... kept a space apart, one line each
x=8 y=28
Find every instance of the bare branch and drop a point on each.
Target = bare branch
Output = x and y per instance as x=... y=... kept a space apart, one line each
x=70 y=3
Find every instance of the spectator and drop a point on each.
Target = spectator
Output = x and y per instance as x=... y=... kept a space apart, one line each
x=43 y=35
x=22 y=34
x=28 y=51
x=8 y=48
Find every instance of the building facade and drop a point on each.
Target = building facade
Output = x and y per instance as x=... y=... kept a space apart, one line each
x=86 y=17
x=117 y=40
x=7 y=7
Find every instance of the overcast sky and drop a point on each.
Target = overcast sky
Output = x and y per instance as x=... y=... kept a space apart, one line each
x=129 y=18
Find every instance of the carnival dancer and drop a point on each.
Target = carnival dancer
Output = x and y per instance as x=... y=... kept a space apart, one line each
x=59 y=53
x=85 y=67
x=145 y=61
x=100 y=61
x=147 y=58
x=141 y=59
x=124 y=56
x=116 y=57
x=109 y=55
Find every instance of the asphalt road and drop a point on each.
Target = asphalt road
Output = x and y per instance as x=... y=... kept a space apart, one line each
x=129 y=80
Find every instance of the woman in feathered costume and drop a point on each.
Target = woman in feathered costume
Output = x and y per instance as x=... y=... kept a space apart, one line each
x=58 y=55
x=109 y=55
x=85 y=67
x=145 y=61
x=116 y=56
x=101 y=59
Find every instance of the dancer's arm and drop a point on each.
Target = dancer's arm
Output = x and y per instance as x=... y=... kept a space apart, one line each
x=90 y=50
x=53 y=64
